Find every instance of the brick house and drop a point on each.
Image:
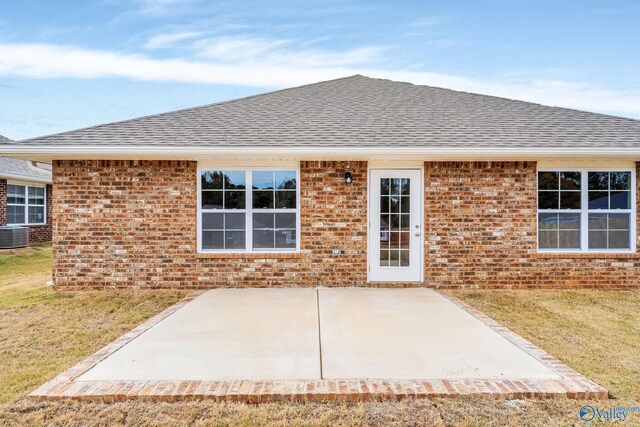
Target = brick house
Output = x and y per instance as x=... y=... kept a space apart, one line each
x=25 y=196
x=349 y=182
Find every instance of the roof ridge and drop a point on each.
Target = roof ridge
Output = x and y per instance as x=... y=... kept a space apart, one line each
x=181 y=110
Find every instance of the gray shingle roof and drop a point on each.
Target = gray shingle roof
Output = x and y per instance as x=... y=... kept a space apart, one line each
x=20 y=169
x=363 y=112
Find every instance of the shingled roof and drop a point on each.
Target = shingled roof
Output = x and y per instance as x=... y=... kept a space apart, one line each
x=357 y=112
x=21 y=169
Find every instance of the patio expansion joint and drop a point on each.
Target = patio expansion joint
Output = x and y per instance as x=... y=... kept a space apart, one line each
x=65 y=386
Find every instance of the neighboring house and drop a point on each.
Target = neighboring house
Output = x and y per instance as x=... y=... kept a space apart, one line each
x=350 y=182
x=25 y=196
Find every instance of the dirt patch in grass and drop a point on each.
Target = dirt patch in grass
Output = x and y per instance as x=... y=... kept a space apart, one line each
x=44 y=332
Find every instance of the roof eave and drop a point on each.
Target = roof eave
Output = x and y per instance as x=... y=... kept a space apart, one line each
x=71 y=152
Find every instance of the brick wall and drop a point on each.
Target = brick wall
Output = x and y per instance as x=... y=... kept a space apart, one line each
x=37 y=233
x=480 y=232
x=132 y=223
x=3 y=202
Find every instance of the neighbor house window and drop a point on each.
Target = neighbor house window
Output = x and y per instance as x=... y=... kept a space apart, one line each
x=252 y=210
x=586 y=210
x=25 y=204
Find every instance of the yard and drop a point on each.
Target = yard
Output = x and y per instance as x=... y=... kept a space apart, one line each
x=43 y=332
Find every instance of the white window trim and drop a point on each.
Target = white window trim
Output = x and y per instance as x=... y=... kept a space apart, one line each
x=26 y=205
x=585 y=211
x=248 y=211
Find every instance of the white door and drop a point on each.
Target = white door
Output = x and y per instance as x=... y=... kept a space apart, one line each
x=395 y=225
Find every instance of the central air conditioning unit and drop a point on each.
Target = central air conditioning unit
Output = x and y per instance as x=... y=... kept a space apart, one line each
x=14 y=237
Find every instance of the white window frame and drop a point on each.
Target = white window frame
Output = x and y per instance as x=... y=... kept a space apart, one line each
x=248 y=210
x=26 y=203
x=585 y=211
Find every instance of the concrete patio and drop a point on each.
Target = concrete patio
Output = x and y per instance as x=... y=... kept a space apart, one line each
x=264 y=344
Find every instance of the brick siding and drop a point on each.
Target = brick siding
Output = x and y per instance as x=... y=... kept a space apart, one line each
x=37 y=233
x=481 y=227
x=133 y=223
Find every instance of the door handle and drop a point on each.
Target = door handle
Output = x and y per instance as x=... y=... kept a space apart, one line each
x=418 y=234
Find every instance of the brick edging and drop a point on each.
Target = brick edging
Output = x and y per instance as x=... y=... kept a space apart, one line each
x=64 y=386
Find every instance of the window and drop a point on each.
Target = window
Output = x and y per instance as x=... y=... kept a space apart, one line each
x=248 y=210
x=25 y=204
x=585 y=210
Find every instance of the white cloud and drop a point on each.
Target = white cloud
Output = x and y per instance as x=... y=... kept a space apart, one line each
x=268 y=70
x=160 y=41
x=255 y=50
x=237 y=48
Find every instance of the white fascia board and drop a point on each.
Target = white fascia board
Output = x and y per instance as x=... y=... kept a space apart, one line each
x=17 y=177
x=49 y=153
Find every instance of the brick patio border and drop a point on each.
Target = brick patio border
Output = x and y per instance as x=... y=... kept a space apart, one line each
x=64 y=386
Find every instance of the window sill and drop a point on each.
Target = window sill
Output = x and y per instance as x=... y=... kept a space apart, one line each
x=249 y=255
x=587 y=255
x=27 y=225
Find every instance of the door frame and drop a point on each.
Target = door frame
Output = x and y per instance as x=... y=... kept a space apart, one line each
x=401 y=166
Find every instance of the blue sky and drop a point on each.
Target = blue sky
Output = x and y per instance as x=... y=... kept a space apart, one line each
x=69 y=64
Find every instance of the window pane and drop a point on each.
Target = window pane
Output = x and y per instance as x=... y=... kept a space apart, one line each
x=548 y=239
x=394 y=239
x=285 y=200
x=620 y=180
x=286 y=220
x=405 y=186
x=263 y=239
x=286 y=180
x=385 y=186
x=598 y=200
x=263 y=180
x=212 y=180
x=395 y=222
x=212 y=200
x=618 y=240
x=234 y=199
x=405 y=222
x=15 y=215
x=285 y=239
x=212 y=240
x=394 y=204
x=597 y=221
x=234 y=221
x=384 y=258
x=619 y=221
x=570 y=180
x=235 y=180
x=597 y=240
x=620 y=200
x=16 y=194
x=394 y=258
x=36 y=214
x=405 y=204
x=548 y=200
x=384 y=204
x=598 y=180
x=263 y=220
x=404 y=258
x=569 y=221
x=395 y=186
x=263 y=199
x=547 y=221
x=234 y=240
x=36 y=196
x=548 y=180
x=570 y=200
x=569 y=239
x=212 y=221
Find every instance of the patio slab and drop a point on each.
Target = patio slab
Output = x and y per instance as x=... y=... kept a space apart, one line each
x=260 y=345
x=414 y=333
x=225 y=334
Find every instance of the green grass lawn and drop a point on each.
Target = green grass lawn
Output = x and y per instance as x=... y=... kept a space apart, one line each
x=43 y=332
